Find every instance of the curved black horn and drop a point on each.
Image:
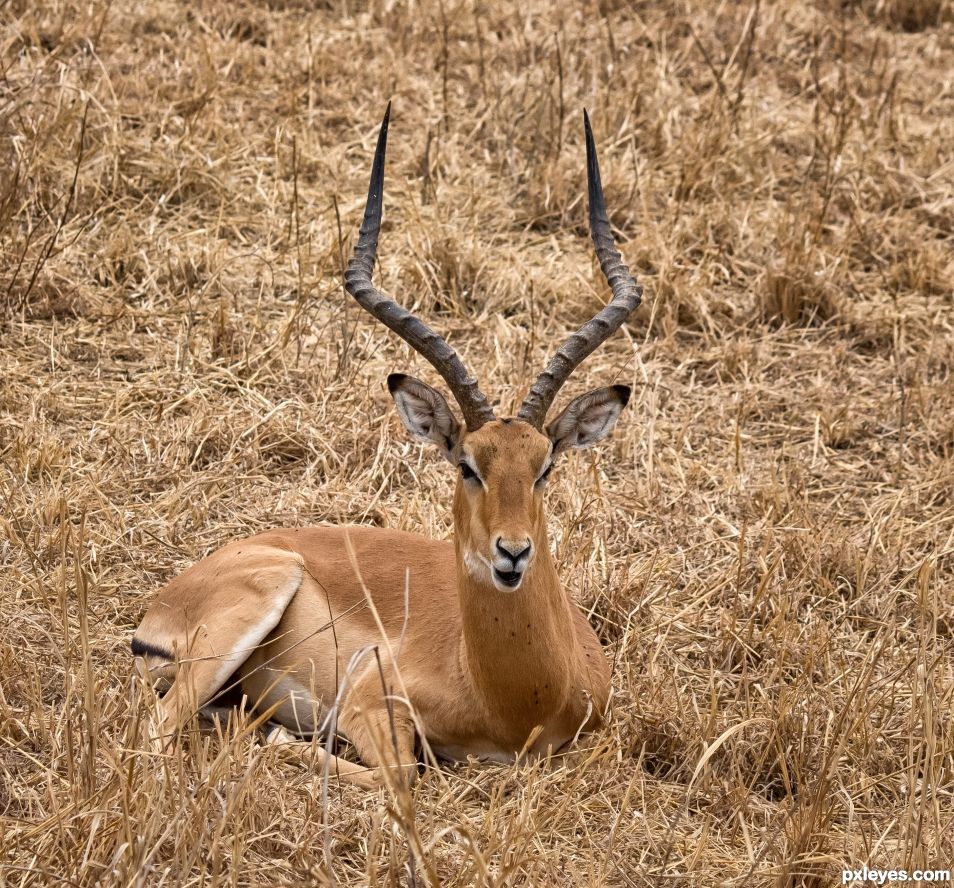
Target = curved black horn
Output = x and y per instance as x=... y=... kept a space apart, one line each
x=626 y=298
x=474 y=406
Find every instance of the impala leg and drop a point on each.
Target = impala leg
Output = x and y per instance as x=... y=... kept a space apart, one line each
x=252 y=588
x=383 y=739
x=318 y=758
x=370 y=734
x=195 y=683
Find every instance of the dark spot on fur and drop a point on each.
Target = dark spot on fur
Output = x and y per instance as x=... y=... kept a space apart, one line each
x=142 y=648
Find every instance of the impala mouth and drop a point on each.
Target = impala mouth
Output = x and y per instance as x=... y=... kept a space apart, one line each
x=509 y=578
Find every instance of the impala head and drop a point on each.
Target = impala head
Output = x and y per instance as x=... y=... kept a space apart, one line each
x=503 y=464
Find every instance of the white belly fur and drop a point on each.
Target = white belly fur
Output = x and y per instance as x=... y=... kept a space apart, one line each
x=298 y=710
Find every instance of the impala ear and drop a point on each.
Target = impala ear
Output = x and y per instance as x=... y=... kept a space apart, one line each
x=588 y=418
x=425 y=413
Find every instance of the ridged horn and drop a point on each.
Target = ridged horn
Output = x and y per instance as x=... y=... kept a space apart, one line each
x=626 y=298
x=473 y=405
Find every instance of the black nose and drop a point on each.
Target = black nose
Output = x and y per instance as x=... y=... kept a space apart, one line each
x=514 y=550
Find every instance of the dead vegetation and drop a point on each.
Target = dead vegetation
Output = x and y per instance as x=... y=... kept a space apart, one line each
x=766 y=546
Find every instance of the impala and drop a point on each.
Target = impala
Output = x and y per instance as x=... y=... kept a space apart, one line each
x=385 y=636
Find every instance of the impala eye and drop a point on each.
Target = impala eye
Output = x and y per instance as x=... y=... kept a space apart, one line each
x=545 y=474
x=467 y=473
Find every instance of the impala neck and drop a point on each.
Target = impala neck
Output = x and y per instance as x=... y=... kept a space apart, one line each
x=517 y=647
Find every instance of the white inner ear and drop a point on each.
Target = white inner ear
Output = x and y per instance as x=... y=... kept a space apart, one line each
x=426 y=416
x=586 y=420
x=597 y=423
x=417 y=415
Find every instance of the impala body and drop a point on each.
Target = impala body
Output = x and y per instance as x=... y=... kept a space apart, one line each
x=386 y=636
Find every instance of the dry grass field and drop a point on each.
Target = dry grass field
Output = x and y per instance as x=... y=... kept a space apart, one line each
x=766 y=545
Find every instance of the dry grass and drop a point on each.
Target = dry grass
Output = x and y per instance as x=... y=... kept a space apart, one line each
x=766 y=546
